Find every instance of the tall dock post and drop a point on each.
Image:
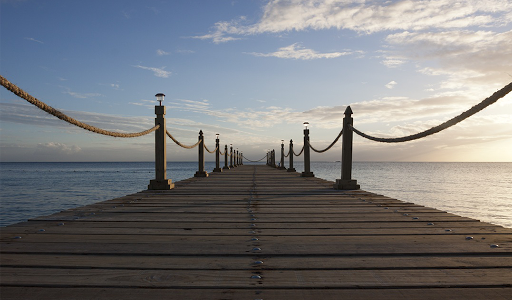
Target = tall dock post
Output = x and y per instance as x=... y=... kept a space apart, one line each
x=201 y=172
x=281 y=164
x=307 y=171
x=235 y=159
x=346 y=182
x=217 y=155
x=230 y=155
x=291 y=168
x=160 y=182
x=226 y=167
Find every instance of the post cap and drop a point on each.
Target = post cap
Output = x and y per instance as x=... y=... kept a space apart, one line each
x=348 y=111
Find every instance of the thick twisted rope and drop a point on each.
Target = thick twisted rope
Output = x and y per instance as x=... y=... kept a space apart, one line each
x=468 y=113
x=330 y=146
x=52 y=111
x=180 y=144
x=287 y=154
x=299 y=152
x=216 y=147
x=254 y=160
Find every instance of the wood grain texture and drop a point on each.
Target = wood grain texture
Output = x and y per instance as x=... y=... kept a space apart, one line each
x=255 y=232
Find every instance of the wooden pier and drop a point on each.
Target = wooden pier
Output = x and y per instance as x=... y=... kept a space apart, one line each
x=255 y=232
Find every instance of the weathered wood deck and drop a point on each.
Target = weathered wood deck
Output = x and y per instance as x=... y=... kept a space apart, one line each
x=255 y=232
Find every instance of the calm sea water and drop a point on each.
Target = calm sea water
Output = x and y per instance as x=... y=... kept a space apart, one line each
x=478 y=190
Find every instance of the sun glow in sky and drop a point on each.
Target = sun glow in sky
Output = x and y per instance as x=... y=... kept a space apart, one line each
x=254 y=71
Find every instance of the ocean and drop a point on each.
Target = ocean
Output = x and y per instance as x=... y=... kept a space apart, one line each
x=481 y=191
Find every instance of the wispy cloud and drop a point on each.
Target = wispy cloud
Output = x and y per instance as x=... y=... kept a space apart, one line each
x=295 y=51
x=34 y=40
x=68 y=91
x=158 y=72
x=365 y=16
x=161 y=52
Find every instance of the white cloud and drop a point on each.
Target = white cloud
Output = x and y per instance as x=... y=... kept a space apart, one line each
x=391 y=84
x=158 y=72
x=161 y=52
x=34 y=40
x=295 y=51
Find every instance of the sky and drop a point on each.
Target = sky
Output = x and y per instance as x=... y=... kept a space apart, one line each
x=253 y=71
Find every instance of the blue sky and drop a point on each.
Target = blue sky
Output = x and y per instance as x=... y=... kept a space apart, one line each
x=254 y=71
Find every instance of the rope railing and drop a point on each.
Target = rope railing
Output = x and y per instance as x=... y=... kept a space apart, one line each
x=299 y=152
x=216 y=147
x=329 y=147
x=468 y=113
x=180 y=144
x=56 y=113
x=255 y=160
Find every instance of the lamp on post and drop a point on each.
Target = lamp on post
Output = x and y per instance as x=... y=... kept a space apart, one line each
x=160 y=182
x=217 y=154
x=307 y=170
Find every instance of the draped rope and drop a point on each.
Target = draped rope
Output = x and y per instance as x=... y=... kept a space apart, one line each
x=287 y=154
x=54 y=112
x=180 y=144
x=330 y=146
x=254 y=160
x=299 y=152
x=468 y=113
x=216 y=147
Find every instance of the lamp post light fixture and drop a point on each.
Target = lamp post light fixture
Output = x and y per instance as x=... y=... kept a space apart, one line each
x=306 y=125
x=160 y=98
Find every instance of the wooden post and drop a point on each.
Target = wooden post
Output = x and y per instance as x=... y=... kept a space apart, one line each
x=242 y=158
x=291 y=168
x=346 y=182
x=281 y=163
x=160 y=182
x=226 y=167
x=201 y=172
x=217 y=156
x=230 y=155
x=235 y=163
x=307 y=171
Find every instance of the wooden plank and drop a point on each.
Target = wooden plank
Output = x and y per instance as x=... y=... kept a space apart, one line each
x=61 y=277
x=270 y=245
x=128 y=293
x=426 y=230
x=248 y=262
